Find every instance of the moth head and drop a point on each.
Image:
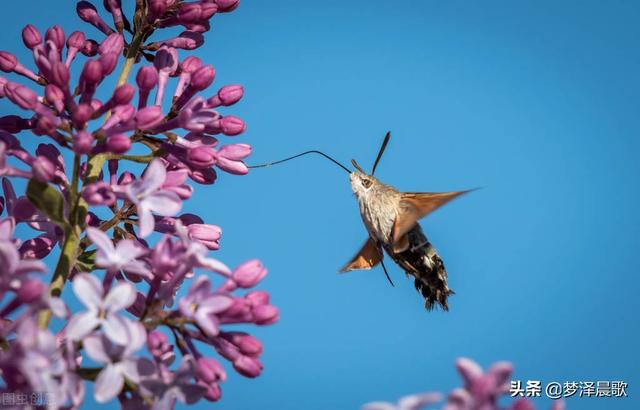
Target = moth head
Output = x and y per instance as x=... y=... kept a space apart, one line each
x=361 y=183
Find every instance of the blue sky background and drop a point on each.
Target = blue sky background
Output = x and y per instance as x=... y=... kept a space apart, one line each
x=536 y=101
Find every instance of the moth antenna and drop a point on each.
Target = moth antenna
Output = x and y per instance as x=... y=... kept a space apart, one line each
x=299 y=155
x=382 y=148
x=387 y=273
x=355 y=164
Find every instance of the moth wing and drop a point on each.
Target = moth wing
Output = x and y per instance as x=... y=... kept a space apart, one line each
x=368 y=257
x=415 y=206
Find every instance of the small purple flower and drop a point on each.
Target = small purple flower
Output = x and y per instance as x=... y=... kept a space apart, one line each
x=201 y=305
x=119 y=361
x=174 y=386
x=101 y=309
x=148 y=196
x=99 y=193
x=123 y=256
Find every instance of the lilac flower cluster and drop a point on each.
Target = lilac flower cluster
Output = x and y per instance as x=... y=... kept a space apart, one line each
x=481 y=391
x=88 y=209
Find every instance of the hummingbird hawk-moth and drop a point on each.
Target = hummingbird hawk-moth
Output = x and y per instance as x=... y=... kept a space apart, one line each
x=391 y=219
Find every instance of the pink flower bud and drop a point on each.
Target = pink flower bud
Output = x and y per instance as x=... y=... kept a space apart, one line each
x=265 y=314
x=166 y=60
x=114 y=43
x=212 y=391
x=115 y=8
x=76 y=40
x=109 y=62
x=54 y=96
x=88 y=13
x=149 y=117
x=191 y=64
x=91 y=73
x=20 y=95
x=99 y=193
x=208 y=235
x=202 y=77
x=209 y=370
x=248 y=274
x=189 y=12
x=201 y=156
x=157 y=341
x=13 y=124
x=60 y=75
x=90 y=48
x=118 y=144
x=82 y=143
x=43 y=169
x=230 y=94
x=147 y=78
x=187 y=40
x=235 y=151
x=37 y=248
x=257 y=298
x=231 y=125
x=123 y=94
x=206 y=176
x=247 y=344
x=55 y=34
x=248 y=366
x=30 y=290
x=157 y=8
x=31 y=37
x=208 y=10
x=81 y=114
x=226 y=6
x=201 y=26
x=8 y=61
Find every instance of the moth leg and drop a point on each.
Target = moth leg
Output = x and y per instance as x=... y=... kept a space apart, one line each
x=386 y=273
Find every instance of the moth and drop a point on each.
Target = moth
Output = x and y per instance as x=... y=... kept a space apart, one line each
x=391 y=219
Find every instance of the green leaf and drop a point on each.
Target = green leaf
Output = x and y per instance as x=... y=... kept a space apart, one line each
x=48 y=200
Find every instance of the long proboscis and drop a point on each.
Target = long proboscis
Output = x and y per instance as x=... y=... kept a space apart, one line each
x=299 y=155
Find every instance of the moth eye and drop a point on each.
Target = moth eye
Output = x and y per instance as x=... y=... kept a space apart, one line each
x=366 y=183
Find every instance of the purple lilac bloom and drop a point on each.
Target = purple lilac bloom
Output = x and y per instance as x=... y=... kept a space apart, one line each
x=117 y=235
x=481 y=391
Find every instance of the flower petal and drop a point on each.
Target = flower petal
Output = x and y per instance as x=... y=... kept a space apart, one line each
x=165 y=203
x=469 y=370
x=108 y=384
x=95 y=348
x=216 y=303
x=137 y=337
x=154 y=176
x=129 y=368
x=101 y=240
x=208 y=323
x=121 y=296
x=129 y=250
x=81 y=324
x=88 y=289
x=213 y=265
x=115 y=328
x=146 y=223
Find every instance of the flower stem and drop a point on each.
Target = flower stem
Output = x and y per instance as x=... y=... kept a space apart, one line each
x=79 y=208
x=63 y=268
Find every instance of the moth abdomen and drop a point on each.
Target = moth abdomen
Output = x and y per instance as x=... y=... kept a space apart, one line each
x=421 y=260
